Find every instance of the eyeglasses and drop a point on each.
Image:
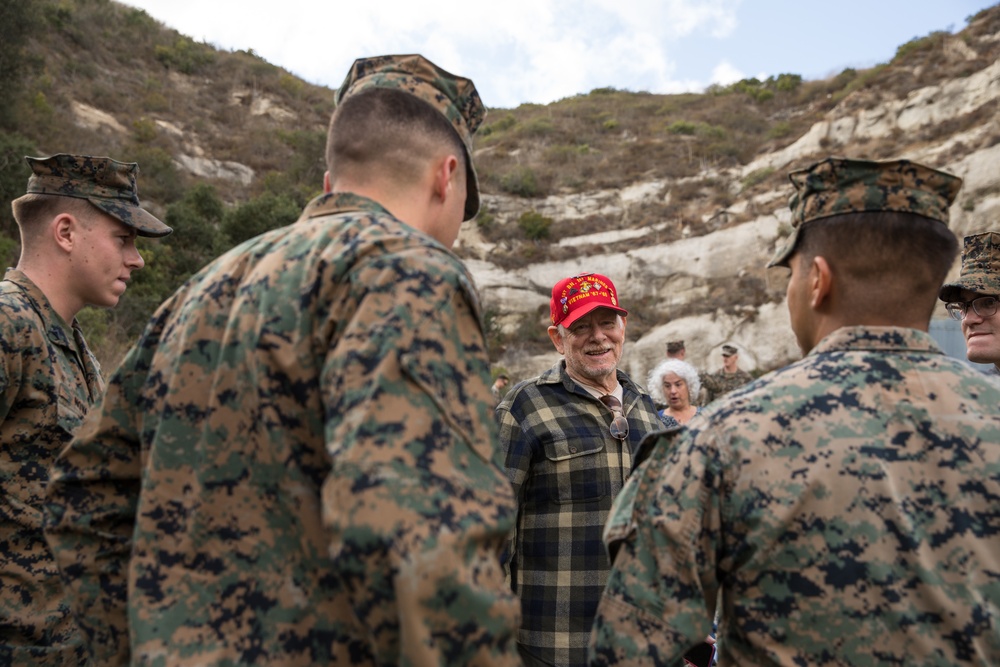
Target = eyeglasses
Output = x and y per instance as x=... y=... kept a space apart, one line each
x=619 y=425
x=985 y=306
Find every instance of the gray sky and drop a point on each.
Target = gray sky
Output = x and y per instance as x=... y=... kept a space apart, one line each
x=542 y=50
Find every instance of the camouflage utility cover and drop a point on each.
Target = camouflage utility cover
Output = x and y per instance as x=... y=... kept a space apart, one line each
x=300 y=456
x=836 y=186
x=48 y=381
x=845 y=507
x=454 y=96
x=108 y=184
x=980 y=267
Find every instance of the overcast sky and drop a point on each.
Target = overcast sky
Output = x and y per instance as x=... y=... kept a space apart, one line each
x=539 y=51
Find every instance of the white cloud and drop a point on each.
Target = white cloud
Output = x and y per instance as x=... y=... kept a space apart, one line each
x=724 y=74
x=534 y=50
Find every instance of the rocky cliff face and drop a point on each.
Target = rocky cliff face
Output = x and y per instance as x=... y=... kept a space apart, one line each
x=710 y=287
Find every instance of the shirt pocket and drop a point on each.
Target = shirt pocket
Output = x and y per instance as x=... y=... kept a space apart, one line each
x=576 y=471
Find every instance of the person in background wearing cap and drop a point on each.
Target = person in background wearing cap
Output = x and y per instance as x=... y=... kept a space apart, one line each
x=843 y=507
x=973 y=298
x=718 y=384
x=569 y=435
x=297 y=462
x=78 y=223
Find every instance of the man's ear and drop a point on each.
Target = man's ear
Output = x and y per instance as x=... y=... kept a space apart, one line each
x=444 y=174
x=63 y=229
x=820 y=282
x=556 y=339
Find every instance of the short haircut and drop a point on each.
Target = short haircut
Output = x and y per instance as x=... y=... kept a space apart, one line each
x=683 y=370
x=887 y=263
x=33 y=210
x=385 y=131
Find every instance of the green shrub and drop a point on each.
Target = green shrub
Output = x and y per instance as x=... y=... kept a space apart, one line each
x=485 y=221
x=184 y=55
x=143 y=130
x=520 y=181
x=610 y=124
x=780 y=130
x=534 y=225
x=505 y=123
x=538 y=127
x=683 y=127
x=919 y=44
x=756 y=177
x=259 y=215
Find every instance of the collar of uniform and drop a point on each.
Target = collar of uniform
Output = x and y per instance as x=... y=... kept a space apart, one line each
x=339 y=202
x=877 y=338
x=56 y=328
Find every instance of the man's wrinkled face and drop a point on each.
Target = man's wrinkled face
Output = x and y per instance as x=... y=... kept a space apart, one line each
x=592 y=345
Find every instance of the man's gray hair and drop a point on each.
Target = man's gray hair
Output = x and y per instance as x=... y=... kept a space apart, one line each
x=682 y=369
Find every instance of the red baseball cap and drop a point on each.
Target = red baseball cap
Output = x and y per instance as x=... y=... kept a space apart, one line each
x=572 y=298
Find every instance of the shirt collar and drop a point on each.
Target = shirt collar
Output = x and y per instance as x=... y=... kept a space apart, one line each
x=338 y=202
x=884 y=339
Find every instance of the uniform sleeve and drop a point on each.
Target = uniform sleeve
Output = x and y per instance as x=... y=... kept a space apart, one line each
x=9 y=368
x=417 y=504
x=91 y=504
x=661 y=592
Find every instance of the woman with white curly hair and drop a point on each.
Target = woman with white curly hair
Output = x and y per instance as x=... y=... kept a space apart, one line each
x=673 y=382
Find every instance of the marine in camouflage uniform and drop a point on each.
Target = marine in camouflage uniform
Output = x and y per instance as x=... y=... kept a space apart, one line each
x=843 y=510
x=974 y=297
x=49 y=379
x=718 y=384
x=296 y=463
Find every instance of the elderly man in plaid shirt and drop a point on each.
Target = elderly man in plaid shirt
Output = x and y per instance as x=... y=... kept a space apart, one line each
x=569 y=436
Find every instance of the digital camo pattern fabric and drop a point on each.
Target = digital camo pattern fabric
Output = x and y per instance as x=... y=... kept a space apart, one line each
x=300 y=454
x=846 y=507
x=108 y=184
x=720 y=383
x=566 y=468
x=980 y=267
x=48 y=381
x=454 y=96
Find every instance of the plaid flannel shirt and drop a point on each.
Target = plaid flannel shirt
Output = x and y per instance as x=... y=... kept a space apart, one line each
x=566 y=469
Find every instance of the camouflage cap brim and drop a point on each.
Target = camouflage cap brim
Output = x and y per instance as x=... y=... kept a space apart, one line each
x=454 y=96
x=108 y=184
x=980 y=267
x=144 y=223
x=837 y=186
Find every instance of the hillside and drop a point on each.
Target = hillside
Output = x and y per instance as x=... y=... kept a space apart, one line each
x=679 y=198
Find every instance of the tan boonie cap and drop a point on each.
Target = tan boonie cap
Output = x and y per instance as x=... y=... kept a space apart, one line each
x=980 y=267
x=841 y=185
x=107 y=184
x=454 y=96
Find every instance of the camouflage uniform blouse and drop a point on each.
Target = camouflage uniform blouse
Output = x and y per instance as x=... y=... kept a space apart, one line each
x=48 y=381
x=566 y=468
x=299 y=455
x=847 y=507
x=718 y=384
